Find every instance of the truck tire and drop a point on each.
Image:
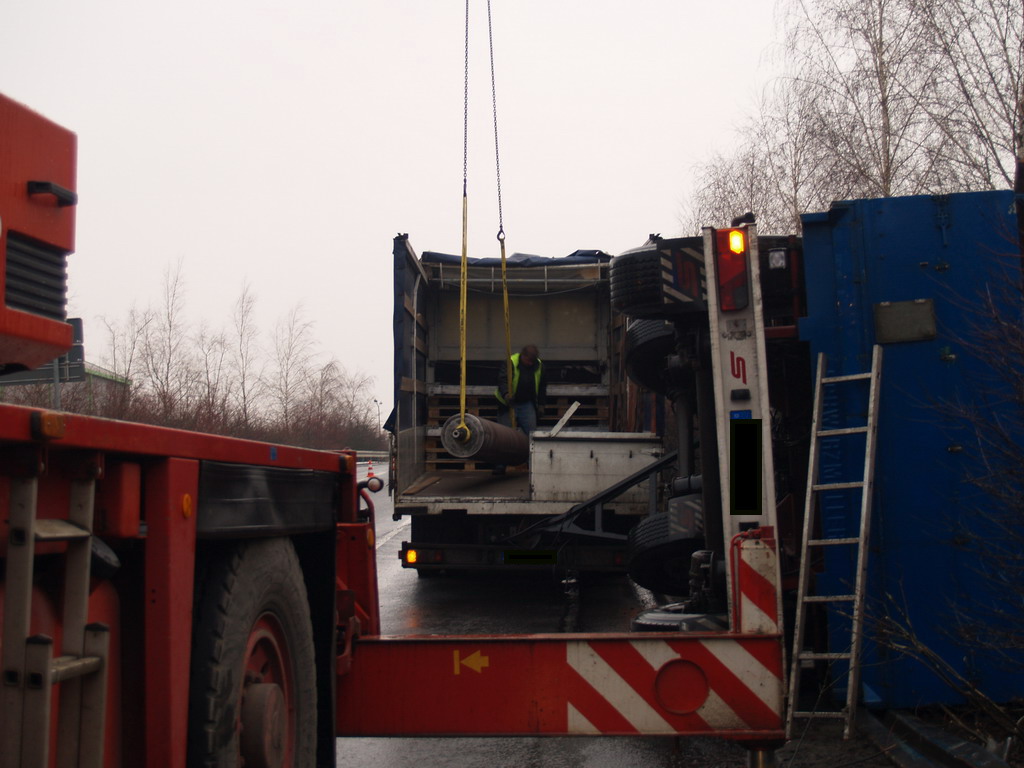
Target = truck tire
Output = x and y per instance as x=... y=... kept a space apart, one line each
x=635 y=281
x=252 y=694
x=648 y=343
x=658 y=556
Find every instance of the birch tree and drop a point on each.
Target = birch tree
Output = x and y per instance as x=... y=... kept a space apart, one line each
x=977 y=104
x=858 y=64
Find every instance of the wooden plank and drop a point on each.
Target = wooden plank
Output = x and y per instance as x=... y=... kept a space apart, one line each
x=413 y=385
x=411 y=310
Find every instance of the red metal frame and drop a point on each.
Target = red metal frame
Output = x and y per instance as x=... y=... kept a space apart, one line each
x=126 y=438
x=170 y=496
x=151 y=474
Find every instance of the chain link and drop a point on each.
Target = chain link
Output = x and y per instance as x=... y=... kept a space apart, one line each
x=465 y=107
x=494 y=108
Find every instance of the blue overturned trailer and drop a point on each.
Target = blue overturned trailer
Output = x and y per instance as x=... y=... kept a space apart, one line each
x=937 y=282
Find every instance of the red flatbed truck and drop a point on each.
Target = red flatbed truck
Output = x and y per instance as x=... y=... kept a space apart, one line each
x=173 y=598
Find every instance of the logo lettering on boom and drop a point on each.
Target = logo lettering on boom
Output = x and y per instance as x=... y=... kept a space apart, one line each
x=739 y=367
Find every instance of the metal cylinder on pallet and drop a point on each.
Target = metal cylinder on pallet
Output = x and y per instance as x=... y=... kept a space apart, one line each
x=484 y=441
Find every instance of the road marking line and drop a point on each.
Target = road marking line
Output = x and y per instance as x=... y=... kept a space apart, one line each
x=391 y=534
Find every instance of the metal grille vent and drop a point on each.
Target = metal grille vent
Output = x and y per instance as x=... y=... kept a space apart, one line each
x=37 y=277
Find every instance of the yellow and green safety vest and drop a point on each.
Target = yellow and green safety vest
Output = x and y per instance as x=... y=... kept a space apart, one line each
x=515 y=379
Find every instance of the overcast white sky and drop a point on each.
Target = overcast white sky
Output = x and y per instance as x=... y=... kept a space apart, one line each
x=286 y=143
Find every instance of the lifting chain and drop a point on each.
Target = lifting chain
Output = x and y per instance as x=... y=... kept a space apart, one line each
x=501 y=218
x=462 y=429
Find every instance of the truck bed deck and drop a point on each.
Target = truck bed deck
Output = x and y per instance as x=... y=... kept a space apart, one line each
x=470 y=483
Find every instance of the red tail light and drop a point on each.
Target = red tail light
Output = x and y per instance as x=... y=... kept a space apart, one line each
x=731 y=266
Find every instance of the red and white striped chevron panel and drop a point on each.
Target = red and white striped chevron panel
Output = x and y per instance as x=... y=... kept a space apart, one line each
x=628 y=684
x=754 y=559
x=651 y=686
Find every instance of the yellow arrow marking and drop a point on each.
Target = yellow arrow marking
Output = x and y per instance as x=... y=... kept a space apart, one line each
x=475 y=661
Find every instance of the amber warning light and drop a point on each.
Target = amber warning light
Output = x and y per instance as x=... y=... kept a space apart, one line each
x=412 y=556
x=731 y=267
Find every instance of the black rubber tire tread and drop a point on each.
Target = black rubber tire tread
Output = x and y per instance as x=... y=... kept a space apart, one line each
x=640 y=333
x=239 y=585
x=635 y=280
x=658 y=558
x=648 y=342
x=637 y=287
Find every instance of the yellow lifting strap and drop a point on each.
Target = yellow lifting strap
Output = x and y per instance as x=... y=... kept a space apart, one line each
x=508 y=325
x=462 y=429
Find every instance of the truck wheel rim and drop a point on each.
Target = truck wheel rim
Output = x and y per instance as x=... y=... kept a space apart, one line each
x=267 y=711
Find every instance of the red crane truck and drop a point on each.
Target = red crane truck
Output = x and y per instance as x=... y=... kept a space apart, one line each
x=172 y=598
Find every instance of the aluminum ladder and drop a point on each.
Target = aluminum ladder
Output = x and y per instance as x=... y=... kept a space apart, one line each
x=29 y=668
x=858 y=543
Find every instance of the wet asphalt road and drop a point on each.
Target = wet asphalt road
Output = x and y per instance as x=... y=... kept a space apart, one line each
x=536 y=603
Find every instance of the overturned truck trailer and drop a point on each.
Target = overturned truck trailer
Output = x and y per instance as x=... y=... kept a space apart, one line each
x=567 y=503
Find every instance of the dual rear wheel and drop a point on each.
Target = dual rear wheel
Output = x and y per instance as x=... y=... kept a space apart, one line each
x=253 y=681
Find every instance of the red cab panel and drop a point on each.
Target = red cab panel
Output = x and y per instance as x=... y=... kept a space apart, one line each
x=37 y=232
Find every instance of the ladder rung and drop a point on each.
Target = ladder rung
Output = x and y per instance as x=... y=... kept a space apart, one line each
x=831 y=715
x=828 y=598
x=829 y=542
x=848 y=377
x=825 y=656
x=837 y=486
x=67 y=667
x=842 y=431
x=59 y=530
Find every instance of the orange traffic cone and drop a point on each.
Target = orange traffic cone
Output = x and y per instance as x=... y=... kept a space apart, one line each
x=369 y=468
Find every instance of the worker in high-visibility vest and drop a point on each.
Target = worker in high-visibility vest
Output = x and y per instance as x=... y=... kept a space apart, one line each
x=525 y=393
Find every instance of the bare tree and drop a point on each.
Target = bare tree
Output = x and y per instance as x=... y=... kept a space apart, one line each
x=879 y=98
x=321 y=416
x=170 y=373
x=246 y=362
x=859 y=63
x=212 y=411
x=977 y=102
x=802 y=173
x=293 y=356
x=161 y=373
x=730 y=186
x=357 y=402
x=124 y=354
